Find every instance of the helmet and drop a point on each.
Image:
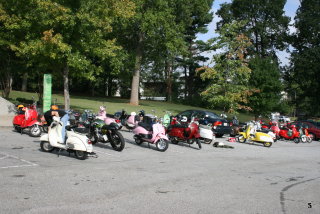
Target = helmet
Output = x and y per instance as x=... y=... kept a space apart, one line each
x=54 y=107
x=141 y=113
x=20 y=106
x=184 y=119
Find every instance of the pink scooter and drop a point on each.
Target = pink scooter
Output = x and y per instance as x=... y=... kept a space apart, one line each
x=102 y=115
x=151 y=133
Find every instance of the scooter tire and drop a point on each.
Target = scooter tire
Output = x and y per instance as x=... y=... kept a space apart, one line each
x=81 y=155
x=35 y=131
x=267 y=144
x=207 y=141
x=309 y=139
x=241 y=139
x=296 y=140
x=17 y=128
x=117 y=141
x=46 y=147
x=162 y=145
x=199 y=143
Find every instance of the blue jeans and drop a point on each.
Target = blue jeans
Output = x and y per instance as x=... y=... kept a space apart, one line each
x=64 y=120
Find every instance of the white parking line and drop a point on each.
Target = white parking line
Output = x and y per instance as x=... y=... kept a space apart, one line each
x=16 y=166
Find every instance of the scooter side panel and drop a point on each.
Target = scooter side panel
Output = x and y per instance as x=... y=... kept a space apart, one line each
x=206 y=133
x=76 y=143
x=263 y=137
x=44 y=137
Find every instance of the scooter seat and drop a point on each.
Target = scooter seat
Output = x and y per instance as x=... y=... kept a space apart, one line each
x=178 y=126
x=146 y=126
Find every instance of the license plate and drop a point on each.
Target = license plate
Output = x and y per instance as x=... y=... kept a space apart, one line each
x=225 y=124
x=105 y=138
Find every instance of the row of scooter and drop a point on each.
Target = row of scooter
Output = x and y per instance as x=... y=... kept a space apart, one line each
x=88 y=128
x=254 y=131
x=84 y=130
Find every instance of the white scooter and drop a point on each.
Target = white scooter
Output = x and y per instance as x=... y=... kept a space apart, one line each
x=77 y=143
x=206 y=133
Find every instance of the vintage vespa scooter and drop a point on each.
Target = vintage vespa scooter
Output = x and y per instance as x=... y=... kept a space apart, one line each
x=182 y=131
x=251 y=135
x=77 y=143
x=151 y=133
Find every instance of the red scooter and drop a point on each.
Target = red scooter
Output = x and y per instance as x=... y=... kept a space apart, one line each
x=182 y=131
x=290 y=133
x=28 y=120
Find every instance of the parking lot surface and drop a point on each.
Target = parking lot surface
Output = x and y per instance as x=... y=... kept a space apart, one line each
x=247 y=179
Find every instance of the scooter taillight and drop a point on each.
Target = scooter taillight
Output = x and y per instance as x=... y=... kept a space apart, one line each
x=89 y=141
x=117 y=121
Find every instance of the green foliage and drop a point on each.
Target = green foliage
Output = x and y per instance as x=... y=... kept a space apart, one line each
x=266 y=23
x=230 y=74
x=265 y=77
x=303 y=77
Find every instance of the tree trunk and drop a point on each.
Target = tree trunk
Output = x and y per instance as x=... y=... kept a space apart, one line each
x=24 y=82
x=6 y=82
x=169 y=80
x=185 y=82
x=134 y=99
x=66 y=87
x=110 y=86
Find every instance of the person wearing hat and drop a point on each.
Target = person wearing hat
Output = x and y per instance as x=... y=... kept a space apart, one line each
x=64 y=117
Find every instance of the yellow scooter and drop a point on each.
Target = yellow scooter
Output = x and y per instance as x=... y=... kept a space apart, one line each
x=250 y=135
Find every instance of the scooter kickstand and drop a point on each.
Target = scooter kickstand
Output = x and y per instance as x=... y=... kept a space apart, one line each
x=59 y=152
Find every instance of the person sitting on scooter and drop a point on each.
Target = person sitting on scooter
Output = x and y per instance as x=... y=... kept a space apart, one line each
x=64 y=117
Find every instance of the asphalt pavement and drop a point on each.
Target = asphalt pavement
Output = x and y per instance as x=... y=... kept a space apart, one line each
x=247 y=179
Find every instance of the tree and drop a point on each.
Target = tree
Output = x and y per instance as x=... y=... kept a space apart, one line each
x=64 y=35
x=303 y=76
x=266 y=25
x=265 y=77
x=230 y=74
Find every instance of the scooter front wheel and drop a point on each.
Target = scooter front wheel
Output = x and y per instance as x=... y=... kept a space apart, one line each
x=162 y=145
x=296 y=140
x=81 y=155
x=46 y=147
x=241 y=139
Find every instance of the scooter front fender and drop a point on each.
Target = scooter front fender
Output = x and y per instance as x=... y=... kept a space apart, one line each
x=161 y=136
x=243 y=134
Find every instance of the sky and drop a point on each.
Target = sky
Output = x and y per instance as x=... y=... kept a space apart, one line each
x=290 y=10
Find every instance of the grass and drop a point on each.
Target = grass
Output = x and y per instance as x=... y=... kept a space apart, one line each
x=116 y=104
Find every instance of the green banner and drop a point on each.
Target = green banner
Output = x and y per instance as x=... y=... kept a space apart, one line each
x=47 y=86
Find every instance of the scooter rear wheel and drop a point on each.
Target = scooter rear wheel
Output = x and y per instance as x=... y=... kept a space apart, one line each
x=35 y=131
x=267 y=144
x=162 y=145
x=46 y=147
x=117 y=141
x=296 y=140
x=81 y=155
